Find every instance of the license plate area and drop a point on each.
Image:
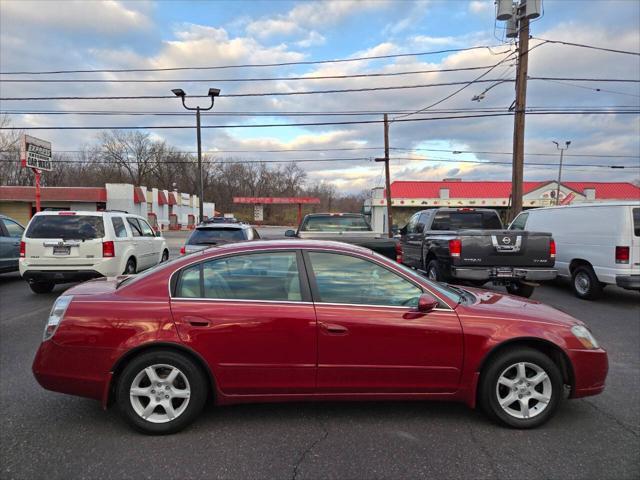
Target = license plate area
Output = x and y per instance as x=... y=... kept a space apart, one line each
x=504 y=272
x=61 y=250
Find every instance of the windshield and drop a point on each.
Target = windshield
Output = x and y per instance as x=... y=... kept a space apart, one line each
x=215 y=235
x=466 y=220
x=343 y=223
x=67 y=227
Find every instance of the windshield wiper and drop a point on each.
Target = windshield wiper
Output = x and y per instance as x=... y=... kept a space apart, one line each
x=463 y=293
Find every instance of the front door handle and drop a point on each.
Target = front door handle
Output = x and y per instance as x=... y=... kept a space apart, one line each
x=334 y=329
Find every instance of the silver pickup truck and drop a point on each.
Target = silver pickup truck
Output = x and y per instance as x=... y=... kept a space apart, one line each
x=347 y=228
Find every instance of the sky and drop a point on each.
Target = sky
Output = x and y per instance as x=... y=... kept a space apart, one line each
x=88 y=35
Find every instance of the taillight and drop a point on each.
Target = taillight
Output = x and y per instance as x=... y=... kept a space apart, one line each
x=57 y=314
x=23 y=249
x=108 y=249
x=183 y=250
x=552 y=248
x=455 y=247
x=622 y=254
x=399 y=252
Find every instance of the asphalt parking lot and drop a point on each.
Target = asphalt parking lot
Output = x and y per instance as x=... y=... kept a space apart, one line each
x=49 y=435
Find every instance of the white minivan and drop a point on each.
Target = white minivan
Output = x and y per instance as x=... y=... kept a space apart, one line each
x=597 y=244
x=70 y=246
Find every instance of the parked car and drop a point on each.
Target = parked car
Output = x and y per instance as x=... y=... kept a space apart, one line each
x=10 y=234
x=350 y=228
x=221 y=220
x=598 y=244
x=211 y=234
x=308 y=320
x=70 y=246
x=470 y=245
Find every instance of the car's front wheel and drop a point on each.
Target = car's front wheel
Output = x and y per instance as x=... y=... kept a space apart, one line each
x=161 y=392
x=42 y=287
x=521 y=388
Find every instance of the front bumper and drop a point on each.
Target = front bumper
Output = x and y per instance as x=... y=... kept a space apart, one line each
x=590 y=368
x=60 y=276
x=498 y=273
x=630 y=282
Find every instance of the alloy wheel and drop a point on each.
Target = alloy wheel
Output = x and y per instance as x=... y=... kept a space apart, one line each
x=524 y=390
x=160 y=393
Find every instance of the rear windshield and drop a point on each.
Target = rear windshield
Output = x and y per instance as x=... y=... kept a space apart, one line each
x=636 y=222
x=335 y=223
x=68 y=227
x=464 y=220
x=204 y=236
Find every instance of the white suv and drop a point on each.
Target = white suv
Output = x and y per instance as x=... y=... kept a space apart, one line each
x=70 y=246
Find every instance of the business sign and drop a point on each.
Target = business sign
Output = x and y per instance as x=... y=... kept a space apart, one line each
x=568 y=199
x=35 y=153
x=258 y=213
x=276 y=200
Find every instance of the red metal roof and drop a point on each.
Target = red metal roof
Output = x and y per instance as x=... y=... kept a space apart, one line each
x=172 y=198
x=278 y=200
x=54 y=194
x=400 y=189
x=162 y=198
x=138 y=195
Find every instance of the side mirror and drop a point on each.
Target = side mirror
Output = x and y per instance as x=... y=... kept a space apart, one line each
x=426 y=303
x=158 y=233
x=403 y=230
x=420 y=228
x=290 y=233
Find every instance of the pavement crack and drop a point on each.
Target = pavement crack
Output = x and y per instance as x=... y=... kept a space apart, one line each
x=611 y=416
x=323 y=435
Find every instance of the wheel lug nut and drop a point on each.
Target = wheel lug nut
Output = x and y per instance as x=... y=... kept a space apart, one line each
x=166 y=396
x=519 y=396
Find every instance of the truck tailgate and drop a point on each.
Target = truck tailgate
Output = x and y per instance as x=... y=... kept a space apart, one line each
x=511 y=248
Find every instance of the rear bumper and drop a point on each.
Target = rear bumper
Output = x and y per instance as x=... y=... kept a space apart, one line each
x=60 y=276
x=630 y=282
x=492 y=273
x=590 y=368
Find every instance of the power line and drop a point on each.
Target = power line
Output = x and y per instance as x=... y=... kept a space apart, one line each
x=567 y=84
x=255 y=65
x=233 y=80
x=592 y=47
x=308 y=124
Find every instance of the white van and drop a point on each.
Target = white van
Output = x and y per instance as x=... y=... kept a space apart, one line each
x=70 y=246
x=597 y=244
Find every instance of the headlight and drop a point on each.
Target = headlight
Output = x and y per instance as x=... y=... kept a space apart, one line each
x=55 y=317
x=585 y=336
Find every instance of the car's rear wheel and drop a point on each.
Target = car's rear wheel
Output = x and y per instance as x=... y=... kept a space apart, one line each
x=165 y=256
x=585 y=283
x=161 y=392
x=520 y=289
x=42 y=287
x=130 y=268
x=433 y=271
x=521 y=388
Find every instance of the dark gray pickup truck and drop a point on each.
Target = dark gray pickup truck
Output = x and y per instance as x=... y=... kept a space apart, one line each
x=470 y=245
x=348 y=228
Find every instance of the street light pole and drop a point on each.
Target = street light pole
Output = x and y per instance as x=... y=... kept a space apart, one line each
x=213 y=92
x=567 y=143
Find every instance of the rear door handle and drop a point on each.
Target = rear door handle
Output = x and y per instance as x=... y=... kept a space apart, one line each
x=197 y=321
x=334 y=329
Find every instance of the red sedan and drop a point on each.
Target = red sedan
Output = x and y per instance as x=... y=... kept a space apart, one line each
x=303 y=320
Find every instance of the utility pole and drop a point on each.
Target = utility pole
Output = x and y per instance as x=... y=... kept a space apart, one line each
x=522 y=66
x=567 y=143
x=213 y=92
x=517 y=16
x=387 y=174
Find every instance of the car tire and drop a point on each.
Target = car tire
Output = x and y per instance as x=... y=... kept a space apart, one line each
x=585 y=283
x=509 y=398
x=433 y=271
x=520 y=289
x=165 y=256
x=42 y=287
x=130 y=267
x=182 y=397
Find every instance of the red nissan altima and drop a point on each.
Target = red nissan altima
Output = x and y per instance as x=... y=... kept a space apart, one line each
x=302 y=320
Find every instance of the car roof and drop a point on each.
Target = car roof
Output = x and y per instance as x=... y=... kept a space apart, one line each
x=222 y=226
x=95 y=213
x=259 y=245
x=618 y=203
x=337 y=214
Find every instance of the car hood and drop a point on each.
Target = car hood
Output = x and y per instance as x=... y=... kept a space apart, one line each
x=501 y=305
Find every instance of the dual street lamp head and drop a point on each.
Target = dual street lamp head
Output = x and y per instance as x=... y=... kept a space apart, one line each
x=178 y=92
x=567 y=143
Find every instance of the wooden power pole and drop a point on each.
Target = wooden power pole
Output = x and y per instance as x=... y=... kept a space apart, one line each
x=519 y=119
x=387 y=174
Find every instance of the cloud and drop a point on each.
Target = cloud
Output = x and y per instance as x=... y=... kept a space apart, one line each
x=411 y=20
x=480 y=6
x=312 y=39
x=105 y=17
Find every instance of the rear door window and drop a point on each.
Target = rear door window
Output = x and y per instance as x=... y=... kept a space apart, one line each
x=119 y=228
x=68 y=227
x=520 y=222
x=13 y=229
x=271 y=276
